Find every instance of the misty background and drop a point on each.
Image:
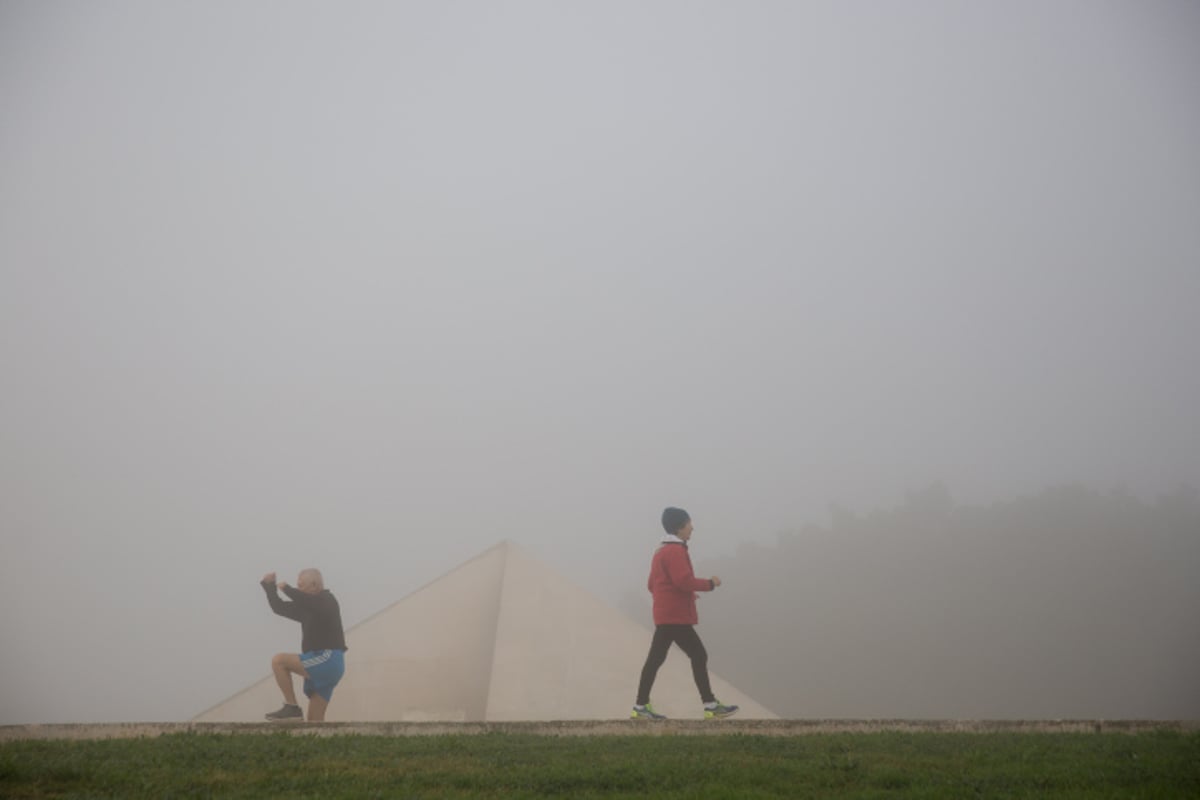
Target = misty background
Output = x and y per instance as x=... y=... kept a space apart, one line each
x=373 y=286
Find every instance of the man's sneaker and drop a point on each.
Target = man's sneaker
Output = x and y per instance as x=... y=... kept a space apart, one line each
x=645 y=712
x=719 y=711
x=287 y=712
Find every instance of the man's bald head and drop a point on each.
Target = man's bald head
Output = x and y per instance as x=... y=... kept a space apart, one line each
x=310 y=581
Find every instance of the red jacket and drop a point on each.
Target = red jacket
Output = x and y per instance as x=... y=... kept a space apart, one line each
x=674 y=585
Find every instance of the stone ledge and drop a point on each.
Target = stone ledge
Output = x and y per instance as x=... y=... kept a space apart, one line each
x=781 y=727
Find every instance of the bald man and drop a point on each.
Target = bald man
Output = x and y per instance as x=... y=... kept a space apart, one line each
x=322 y=644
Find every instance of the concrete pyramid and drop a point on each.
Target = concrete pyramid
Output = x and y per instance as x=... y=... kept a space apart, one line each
x=502 y=637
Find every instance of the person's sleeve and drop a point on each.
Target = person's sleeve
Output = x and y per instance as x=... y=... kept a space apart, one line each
x=682 y=577
x=303 y=599
x=280 y=606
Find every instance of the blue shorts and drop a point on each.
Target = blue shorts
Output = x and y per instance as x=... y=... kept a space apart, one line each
x=325 y=668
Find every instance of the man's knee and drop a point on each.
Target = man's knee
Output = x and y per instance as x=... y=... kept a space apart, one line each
x=316 y=708
x=288 y=661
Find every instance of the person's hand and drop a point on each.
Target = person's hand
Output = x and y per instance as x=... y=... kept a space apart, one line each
x=282 y=585
x=269 y=577
x=716 y=581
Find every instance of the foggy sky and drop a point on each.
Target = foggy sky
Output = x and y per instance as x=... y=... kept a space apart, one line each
x=372 y=286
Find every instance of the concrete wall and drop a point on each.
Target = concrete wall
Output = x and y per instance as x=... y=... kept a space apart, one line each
x=785 y=727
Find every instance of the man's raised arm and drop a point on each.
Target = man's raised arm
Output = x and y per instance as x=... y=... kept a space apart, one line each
x=278 y=604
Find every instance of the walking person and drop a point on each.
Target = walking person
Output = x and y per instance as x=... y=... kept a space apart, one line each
x=322 y=644
x=673 y=584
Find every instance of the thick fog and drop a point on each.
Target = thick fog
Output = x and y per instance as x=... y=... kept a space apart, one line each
x=372 y=286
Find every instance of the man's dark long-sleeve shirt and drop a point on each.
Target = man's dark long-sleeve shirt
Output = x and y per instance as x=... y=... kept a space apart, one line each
x=319 y=616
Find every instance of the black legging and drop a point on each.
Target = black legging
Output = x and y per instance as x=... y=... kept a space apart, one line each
x=689 y=642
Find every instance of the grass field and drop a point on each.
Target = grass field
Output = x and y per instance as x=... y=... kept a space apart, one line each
x=950 y=765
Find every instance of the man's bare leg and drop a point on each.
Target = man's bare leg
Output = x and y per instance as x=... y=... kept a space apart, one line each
x=316 y=708
x=284 y=665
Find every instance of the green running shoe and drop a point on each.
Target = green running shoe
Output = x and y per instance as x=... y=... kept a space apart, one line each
x=719 y=711
x=645 y=712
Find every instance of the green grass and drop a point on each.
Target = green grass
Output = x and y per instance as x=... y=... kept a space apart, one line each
x=925 y=765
